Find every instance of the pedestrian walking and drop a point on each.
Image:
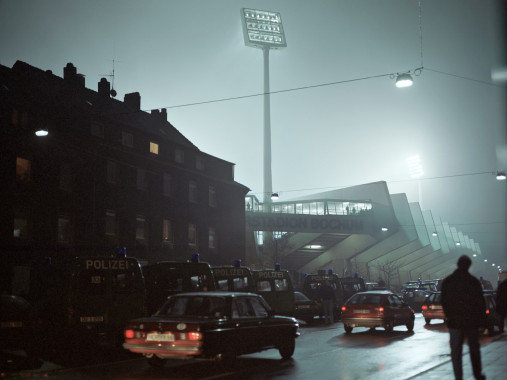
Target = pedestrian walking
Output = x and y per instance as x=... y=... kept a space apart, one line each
x=501 y=300
x=465 y=312
x=328 y=299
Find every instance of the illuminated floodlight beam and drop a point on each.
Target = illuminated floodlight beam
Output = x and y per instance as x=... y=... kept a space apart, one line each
x=415 y=167
x=263 y=29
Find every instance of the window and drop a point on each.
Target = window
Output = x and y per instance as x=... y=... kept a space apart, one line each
x=63 y=229
x=127 y=139
x=192 y=192
x=167 y=232
x=23 y=169
x=167 y=185
x=199 y=163
x=192 y=234
x=141 y=179
x=97 y=129
x=212 y=238
x=153 y=147
x=20 y=226
x=212 y=196
x=110 y=223
x=140 y=227
x=65 y=177
x=179 y=156
x=111 y=172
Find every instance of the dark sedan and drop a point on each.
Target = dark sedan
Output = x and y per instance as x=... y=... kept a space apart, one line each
x=304 y=308
x=211 y=325
x=376 y=309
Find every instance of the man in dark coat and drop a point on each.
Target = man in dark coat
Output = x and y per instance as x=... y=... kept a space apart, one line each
x=328 y=299
x=501 y=299
x=465 y=312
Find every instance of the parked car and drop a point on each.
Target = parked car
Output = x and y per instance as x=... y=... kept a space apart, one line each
x=305 y=308
x=16 y=322
x=432 y=307
x=378 y=308
x=211 y=325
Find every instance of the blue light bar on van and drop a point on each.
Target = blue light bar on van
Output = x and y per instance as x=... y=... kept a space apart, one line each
x=121 y=252
x=195 y=258
x=330 y=271
x=237 y=263
x=278 y=266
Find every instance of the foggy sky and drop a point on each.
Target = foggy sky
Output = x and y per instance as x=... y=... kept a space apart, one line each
x=358 y=130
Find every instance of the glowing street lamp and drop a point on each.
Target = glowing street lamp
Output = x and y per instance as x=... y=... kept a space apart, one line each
x=264 y=30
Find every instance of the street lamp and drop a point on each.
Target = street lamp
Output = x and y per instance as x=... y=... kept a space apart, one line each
x=404 y=80
x=264 y=30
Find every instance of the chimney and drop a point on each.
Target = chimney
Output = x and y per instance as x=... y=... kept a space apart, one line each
x=155 y=113
x=160 y=114
x=133 y=101
x=71 y=76
x=104 y=88
x=163 y=114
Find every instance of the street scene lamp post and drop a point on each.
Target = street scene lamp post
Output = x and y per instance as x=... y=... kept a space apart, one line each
x=264 y=30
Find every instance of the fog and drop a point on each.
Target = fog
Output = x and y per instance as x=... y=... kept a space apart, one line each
x=337 y=118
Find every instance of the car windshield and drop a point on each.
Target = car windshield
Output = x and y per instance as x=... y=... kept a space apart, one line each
x=366 y=299
x=194 y=306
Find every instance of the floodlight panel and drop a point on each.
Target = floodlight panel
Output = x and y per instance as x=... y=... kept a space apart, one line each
x=262 y=29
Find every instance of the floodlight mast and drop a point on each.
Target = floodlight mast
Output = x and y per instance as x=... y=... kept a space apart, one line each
x=264 y=30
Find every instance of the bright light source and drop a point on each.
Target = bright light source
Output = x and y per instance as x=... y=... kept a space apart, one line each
x=434 y=234
x=501 y=176
x=385 y=229
x=314 y=246
x=414 y=166
x=485 y=260
x=41 y=132
x=274 y=197
x=458 y=243
x=263 y=29
x=404 y=80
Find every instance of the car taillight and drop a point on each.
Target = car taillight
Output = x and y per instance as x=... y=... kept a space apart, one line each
x=424 y=307
x=487 y=311
x=194 y=335
x=381 y=309
x=129 y=334
x=344 y=308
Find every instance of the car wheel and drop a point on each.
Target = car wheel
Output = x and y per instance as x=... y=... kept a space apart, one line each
x=286 y=347
x=155 y=362
x=428 y=320
x=410 y=326
x=389 y=326
x=348 y=329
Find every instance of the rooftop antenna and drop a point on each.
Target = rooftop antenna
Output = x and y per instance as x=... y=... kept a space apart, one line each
x=111 y=75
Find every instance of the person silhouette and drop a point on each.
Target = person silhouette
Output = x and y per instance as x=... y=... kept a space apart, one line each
x=465 y=311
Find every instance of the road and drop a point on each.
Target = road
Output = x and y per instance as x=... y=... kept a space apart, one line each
x=324 y=352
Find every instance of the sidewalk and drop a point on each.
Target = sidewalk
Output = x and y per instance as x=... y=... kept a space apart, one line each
x=494 y=363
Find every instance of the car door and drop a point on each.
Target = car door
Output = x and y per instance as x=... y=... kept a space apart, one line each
x=400 y=311
x=267 y=330
x=246 y=324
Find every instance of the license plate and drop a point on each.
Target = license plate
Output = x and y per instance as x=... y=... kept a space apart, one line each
x=99 y=318
x=154 y=337
x=361 y=311
x=13 y=324
x=434 y=307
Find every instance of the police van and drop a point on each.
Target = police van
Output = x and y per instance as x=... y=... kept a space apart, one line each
x=235 y=278
x=312 y=284
x=352 y=285
x=275 y=286
x=166 y=278
x=87 y=297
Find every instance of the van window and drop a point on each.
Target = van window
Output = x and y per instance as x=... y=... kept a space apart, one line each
x=263 y=286
x=124 y=282
x=281 y=284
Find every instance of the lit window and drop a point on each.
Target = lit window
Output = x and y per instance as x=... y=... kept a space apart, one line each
x=111 y=172
x=179 y=156
x=63 y=229
x=23 y=169
x=167 y=184
x=212 y=195
x=167 y=233
x=212 y=239
x=153 y=147
x=127 y=139
x=192 y=235
x=110 y=223
x=140 y=227
x=192 y=192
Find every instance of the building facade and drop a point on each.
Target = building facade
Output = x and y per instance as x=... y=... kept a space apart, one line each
x=106 y=175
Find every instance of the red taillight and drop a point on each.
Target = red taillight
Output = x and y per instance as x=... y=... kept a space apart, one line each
x=129 y=334
x=194 y=335
x=381 y=309
x=487 y=311
x=424 y=307
x=344 y=308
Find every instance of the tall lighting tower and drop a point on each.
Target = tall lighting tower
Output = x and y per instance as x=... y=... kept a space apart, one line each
x=264 y=30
